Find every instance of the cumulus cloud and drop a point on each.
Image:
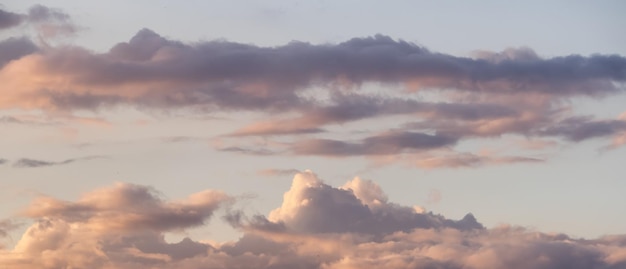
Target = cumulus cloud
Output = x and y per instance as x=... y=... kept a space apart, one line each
x=360 y=206
x=33 y=163
x=317 y=226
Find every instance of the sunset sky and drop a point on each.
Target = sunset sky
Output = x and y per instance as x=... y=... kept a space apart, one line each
x=312 y=134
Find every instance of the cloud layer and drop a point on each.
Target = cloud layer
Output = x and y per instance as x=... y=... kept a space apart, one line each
x=154 y=71
x=317 y=226
x=304 y=91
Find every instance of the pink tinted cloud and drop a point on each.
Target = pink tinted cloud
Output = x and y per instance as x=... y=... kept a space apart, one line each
x=130 y=207
x=316 y=226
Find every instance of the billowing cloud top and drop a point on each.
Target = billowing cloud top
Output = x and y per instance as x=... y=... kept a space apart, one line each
x=317 y=226
x=359 y=206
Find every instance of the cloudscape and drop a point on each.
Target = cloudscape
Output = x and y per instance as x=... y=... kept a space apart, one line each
x=248 y=134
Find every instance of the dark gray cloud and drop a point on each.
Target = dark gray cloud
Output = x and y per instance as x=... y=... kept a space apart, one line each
x=3 y=161
x=248 y=150
x=15 y=48
x=582 y=128
x=32 y=163
x=9 y=19
x=383 y=144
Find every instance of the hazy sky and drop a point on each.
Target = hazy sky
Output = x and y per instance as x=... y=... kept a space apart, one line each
x=255 y=126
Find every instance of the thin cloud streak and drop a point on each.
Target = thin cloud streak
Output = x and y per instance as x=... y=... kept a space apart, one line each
x=278 y=172
x=34 y=163
x=383 y=144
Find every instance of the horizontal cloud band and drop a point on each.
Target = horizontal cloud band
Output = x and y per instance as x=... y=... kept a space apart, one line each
x=154 y=71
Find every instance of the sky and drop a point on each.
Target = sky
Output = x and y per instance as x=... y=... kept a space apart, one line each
x=312 y=134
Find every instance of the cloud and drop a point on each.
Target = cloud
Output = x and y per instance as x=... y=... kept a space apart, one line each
x=582 y=128
x=9 y=19
x=154 y=71
x=360 y=206
x=246 y=150
x=465 y=159
x=15 y=48
x=130 y=207
x=33 y=163
x=6 y=225
x=383 y=144
x=3 y=161
x=50 y=22
x=446 y=99
x=278 y=172
x=47 y=22
x=317 y=226
x=353 y=107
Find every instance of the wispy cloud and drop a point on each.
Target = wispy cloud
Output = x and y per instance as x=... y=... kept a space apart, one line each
x=278 y=172
x=33 y=163
x=383 y=144
x=248 y=150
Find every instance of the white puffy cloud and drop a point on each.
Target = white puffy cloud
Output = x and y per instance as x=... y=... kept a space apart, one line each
x=360 y=206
